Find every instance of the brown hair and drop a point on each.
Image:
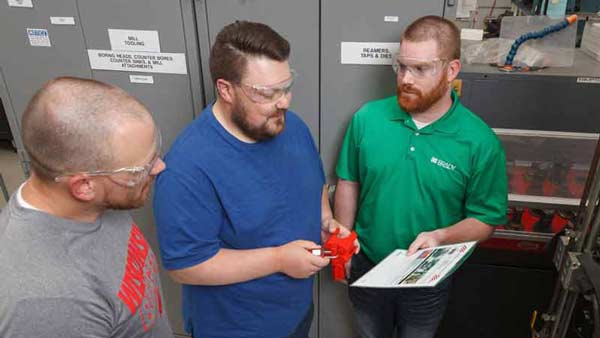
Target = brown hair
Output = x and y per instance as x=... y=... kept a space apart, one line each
x=69 y=123
x=443 y=31
x=236 y=41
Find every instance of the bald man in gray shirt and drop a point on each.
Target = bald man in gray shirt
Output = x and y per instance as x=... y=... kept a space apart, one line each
x=70 y=265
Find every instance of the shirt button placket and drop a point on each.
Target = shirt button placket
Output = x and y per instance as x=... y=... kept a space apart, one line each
x=411 y=143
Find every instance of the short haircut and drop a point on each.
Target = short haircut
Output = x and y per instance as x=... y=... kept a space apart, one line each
x=240 y=40
x=443 y=31
x=69 y=123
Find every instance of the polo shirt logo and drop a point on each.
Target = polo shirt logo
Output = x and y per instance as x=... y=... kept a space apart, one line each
x=442 y=163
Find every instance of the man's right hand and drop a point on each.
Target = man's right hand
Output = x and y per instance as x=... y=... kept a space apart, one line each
x=295 y=259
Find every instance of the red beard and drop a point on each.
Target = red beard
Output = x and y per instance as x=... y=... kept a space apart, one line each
x=413 y=100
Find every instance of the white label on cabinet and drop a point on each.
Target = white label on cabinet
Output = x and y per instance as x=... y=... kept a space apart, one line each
x=38 y=37
x=62 y=20
x=134 y=40
x=594 y=80
x=20 y=3
x=148 y=79
x=369 y=53
x=169 y=63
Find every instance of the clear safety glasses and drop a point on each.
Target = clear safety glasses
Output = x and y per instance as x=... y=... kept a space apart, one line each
x=419 y=68
x=271 y=93
x=127 y=176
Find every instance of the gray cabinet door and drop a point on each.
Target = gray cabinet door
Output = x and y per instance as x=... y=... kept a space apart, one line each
x=297 y=21
x=344 y=87
x=27 y=67
x=172 y=98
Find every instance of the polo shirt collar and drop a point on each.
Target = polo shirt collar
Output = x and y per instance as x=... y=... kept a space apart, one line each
x=448 y=123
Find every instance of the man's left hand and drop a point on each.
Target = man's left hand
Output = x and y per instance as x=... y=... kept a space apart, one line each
x=425 y=240
x=329 y=226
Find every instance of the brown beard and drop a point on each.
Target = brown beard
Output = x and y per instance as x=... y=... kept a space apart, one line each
x=260 y=133
x=134 y=198
x=421 y=101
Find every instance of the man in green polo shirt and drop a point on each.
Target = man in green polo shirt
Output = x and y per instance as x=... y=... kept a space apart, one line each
x=417 y=170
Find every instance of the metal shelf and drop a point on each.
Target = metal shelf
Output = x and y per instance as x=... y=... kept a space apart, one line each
x=533 y=201
x=523 y=235
x=546 y=133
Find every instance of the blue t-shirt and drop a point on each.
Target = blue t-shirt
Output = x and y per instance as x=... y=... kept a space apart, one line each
x=218 y=192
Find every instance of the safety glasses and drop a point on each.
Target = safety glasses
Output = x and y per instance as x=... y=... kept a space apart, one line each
x=419 y=68
x=127 y=176
x=268 y=94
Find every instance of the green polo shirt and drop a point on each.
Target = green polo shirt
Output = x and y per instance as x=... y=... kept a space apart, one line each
x=420 y=180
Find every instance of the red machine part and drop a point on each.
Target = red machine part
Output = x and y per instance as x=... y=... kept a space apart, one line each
x=513 y=219
x=549 y=187
x=342 y=249
x=520 y=180
x=560 y=220
x=576 y=182
x=529 y=219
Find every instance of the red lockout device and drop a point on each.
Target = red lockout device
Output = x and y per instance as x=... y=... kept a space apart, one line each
x=530 y=218
x=560 y=219
x=341 y=250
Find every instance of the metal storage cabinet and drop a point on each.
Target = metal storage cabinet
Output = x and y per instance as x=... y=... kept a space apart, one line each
x=172 y=98
x=25 y=68
x=344 y=89
x=297 y=21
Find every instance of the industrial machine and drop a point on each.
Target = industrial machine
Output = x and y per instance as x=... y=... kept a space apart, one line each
x=547 y=121
x=574 y=310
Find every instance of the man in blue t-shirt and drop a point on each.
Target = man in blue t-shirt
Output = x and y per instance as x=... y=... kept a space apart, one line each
x=244 y=198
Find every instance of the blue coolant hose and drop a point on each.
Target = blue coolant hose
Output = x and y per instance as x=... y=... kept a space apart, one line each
x=535 y=35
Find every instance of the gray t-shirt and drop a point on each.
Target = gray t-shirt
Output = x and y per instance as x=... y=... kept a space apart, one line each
x=61 y=278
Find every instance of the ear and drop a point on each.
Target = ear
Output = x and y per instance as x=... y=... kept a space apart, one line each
x=225 y=90
x=82 y=187
x=453 y=69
